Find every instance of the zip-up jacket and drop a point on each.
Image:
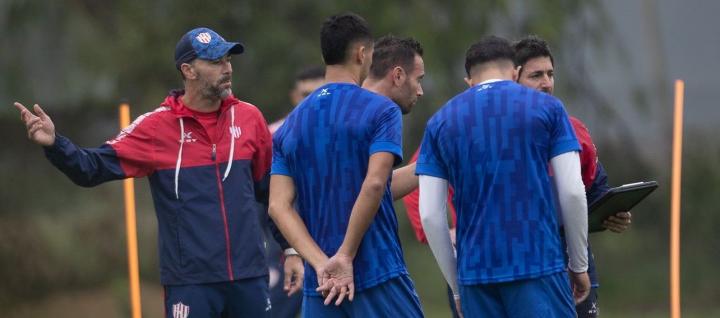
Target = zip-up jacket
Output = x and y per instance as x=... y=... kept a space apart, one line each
x=204 y=190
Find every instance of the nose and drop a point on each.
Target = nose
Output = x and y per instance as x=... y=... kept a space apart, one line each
x=227 y=67
x=420 y=91
x=545 y=81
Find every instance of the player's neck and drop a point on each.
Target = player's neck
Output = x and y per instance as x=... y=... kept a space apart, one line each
x=491 y=74
x=377 y=86
x=342 y=74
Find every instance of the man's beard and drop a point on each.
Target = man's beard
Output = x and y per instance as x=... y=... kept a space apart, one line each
x=215 y=92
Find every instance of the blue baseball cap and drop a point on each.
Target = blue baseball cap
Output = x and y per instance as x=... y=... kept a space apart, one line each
x=203 y=43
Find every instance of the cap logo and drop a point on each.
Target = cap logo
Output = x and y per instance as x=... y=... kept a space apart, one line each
x=204 y=38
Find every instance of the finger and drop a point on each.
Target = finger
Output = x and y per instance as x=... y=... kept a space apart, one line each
x=333 y=292
x=294 y=289
x=341 y=296
x=287 y=281
x=623 y=215
x=351 y=291
x=619 y=220
x=20 y=107
x=458 y=308
x=39 y=111
x=30 y=123
x=299 y=280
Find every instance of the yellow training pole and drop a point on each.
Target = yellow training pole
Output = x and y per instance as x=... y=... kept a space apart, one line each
x=131 y=228
x=675 y=201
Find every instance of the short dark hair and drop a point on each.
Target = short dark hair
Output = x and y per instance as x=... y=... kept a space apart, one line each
x=529 y=48
x=391 y=51
x=310 y=73
x=488 y=49
x=338 y=33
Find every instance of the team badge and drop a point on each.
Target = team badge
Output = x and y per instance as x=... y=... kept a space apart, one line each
x=180 y=310
x=235 y=131
x=204 y=38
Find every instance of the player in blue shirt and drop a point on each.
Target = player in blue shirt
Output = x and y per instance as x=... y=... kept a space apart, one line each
x=492 y=143
x=330 y=189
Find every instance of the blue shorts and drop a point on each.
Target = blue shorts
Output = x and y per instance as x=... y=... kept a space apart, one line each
x=546 y=296
x=241 y=298
x=394 y=298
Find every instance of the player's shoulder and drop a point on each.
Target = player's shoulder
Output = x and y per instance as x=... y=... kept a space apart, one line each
x=377 y=99
x=578 y=124
x=156 y=114
x=244 y=106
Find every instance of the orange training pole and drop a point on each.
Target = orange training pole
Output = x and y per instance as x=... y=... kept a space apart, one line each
x=131 y=228
x=675 y=201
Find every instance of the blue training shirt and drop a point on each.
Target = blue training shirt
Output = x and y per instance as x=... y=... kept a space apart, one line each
x=493 y=144
x=325 y=145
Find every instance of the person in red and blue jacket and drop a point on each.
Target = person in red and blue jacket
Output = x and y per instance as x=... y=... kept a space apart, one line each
x=207 y=156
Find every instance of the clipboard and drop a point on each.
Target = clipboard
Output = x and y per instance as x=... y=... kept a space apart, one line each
x=619 y=199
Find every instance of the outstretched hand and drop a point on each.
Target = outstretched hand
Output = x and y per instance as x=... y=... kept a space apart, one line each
x=40 y=128
x=335 y=279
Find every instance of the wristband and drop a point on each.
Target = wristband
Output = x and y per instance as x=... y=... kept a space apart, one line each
x=291 y=252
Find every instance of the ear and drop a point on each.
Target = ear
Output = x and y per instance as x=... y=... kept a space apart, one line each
x=188 y=71
x=360 y=53
x=468 y=81
x=398 y=75
x=516 y=73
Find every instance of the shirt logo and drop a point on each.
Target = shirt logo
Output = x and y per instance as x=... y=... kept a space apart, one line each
x=235 y=131
x=484 y=86
x=187 y=137
x=204 y=38
x=324 y=92
x=180 y=310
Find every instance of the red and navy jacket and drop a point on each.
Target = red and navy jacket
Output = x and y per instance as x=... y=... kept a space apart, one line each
x=205 y=191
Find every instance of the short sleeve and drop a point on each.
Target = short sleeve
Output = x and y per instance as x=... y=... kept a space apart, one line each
x=279 y=163
x=387 y=134
x=430 y=161
x=562 y=136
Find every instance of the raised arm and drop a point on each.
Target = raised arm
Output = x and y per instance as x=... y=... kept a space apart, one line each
x=85 y=166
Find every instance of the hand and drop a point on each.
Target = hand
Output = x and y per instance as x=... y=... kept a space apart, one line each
x=619 y=222
x=335 y=278
x=40 y=128
x=580 y=284
x=452 y=237
x=294 y=274
x=458 y=309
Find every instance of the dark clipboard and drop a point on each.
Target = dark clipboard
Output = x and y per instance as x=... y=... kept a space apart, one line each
x=620 y=199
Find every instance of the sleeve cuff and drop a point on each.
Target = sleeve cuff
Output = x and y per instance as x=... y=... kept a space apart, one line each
x=386 y=146
x=430 y=170
x=563 y=147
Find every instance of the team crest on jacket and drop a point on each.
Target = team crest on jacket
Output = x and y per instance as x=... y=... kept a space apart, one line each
x=235 y=131
x=180 y=310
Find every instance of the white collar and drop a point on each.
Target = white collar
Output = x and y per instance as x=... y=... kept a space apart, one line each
x=492 y=80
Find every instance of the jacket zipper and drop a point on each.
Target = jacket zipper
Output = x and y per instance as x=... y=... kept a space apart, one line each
x=223 y=212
